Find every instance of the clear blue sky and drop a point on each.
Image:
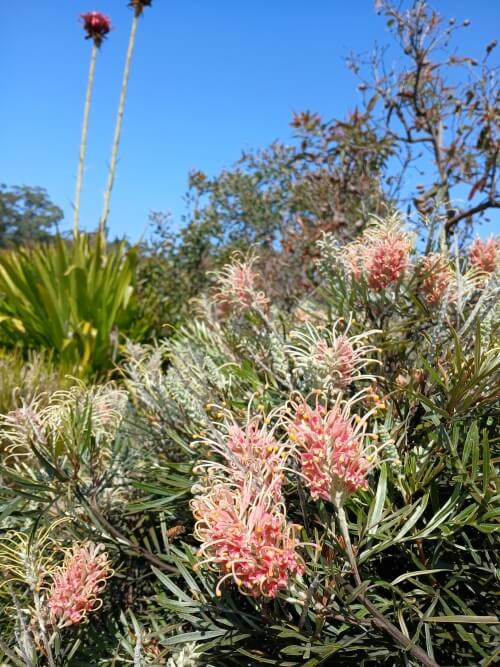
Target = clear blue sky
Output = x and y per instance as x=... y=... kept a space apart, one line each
x=208 y=80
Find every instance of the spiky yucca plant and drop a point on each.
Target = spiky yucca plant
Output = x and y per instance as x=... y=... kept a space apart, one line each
x=68 y=297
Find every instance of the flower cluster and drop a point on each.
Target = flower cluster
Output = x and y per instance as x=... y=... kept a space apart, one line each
x=332 y=458
x=380 y=255
x=77 y=584
x=96 y=25
x=437 y=279
x=246 y=535
x=330 y=363
x=385 y=253
x=485 y=255
x=257 y=452
x=237 y=286
x=240 y=514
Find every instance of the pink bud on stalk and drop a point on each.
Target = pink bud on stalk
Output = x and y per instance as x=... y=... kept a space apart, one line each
x=96 y=25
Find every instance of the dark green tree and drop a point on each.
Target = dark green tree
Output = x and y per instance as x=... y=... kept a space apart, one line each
x=27 y=215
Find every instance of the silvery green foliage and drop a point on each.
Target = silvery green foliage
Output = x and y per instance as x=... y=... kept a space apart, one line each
x=489 y=323
x=187 y=656
x=185 y=393
x=279 y=355
x=330 y=253
x=67 y=417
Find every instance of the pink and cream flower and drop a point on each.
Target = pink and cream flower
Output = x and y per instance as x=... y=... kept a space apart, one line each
x=436 y=279
x=77 y=584
x=237 y=286
x=381 y=255
x=244 y=451
x=485 y=255
x=246 y=537
x=386 y=250
x=330 y=361
x=334 y=452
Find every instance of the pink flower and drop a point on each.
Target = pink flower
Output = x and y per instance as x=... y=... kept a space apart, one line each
x=96 y=25
x=246 y=536
x=485 y=255
x=78 y=583
x=258 y=454
x=437 y=278
x=339 y=359
x=251 y=451
x=328 y=360
x=386 y=260
x=331 y=456
x=381 y=255
x=237 y=286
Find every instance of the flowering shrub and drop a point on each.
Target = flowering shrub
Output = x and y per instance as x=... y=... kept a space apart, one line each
x=293 y=480
x=265 y=482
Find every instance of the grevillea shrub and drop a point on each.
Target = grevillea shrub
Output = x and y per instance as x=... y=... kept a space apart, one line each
x=268 y=486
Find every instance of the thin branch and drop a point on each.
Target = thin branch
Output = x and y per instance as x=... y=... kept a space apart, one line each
x=489 y=203
x=136 y=548
x=384 y=624
x=378 y=618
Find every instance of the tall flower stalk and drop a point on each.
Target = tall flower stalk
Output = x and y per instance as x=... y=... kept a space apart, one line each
x=83 y=141
x=96 y=26
x=138 y=7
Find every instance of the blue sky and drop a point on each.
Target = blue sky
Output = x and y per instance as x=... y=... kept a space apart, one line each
x=208 y=80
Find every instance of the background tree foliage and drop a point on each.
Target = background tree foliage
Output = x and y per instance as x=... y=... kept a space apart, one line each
x=424 y=138
x=27 y=216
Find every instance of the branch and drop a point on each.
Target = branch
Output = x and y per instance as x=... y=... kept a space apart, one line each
x=384 y=624
x=136 y=548
x=379 y=620
x=489 y=203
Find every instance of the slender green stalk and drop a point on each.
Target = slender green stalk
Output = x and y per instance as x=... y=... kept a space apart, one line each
x=344 y=529
x=118 y=127
x=83 y=141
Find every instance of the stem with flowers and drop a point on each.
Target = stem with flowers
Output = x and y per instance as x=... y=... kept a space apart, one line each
x=83 y=141
x=118 y=127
